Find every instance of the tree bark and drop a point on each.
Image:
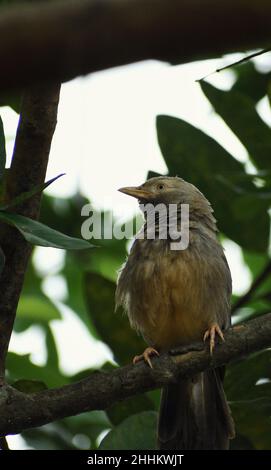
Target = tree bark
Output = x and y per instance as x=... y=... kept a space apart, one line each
x=61 y=40
x=28 y=168
x=19 y=411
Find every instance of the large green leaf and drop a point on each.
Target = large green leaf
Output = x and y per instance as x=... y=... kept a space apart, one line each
x=75 y=432
x=257 y=263
x=13 y=100
x=31 y=288
x=251 y=82
x=122 y=410
x=248 y=387
x=20 y=367
x=64 y=214
x=242 y=377
x=239 y=113
x=90 y=424
x=52 y=352
x=138 y=432
x=199 y=159
x=28 y=194
x=29 y=386
x=253 y=420
x=52 y=436
x=259 y=302
x=39 y=234
x=73 y=272
x=2 y=150
x=38 y=309
x=113 y=328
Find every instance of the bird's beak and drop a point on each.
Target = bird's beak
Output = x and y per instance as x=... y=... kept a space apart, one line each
x=137 y=192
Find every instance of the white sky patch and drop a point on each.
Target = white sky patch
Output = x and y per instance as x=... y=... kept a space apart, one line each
x=106 y=136
x=16 y=442
x=77 y=349
x=48 y=260
x=263 y=108
x=55 y=287
x=241 y=276
x=30 y=341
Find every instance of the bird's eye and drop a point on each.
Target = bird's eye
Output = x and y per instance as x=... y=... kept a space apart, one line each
x=160 y=186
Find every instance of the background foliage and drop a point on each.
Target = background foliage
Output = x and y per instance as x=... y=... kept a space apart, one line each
x=240 y=195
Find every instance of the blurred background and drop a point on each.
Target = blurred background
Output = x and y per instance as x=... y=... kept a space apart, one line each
x=114 y=129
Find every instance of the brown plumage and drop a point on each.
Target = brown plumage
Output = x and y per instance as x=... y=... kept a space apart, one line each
x=173 y=298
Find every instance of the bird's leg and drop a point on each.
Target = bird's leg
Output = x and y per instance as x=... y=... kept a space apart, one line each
x=210 y=333
x=146 y=356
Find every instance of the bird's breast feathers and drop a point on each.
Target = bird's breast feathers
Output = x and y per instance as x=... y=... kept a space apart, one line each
x=171 y=297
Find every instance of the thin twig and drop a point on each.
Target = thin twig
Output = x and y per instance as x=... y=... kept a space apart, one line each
x=238 y=62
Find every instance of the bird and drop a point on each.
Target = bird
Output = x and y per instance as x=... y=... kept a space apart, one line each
x=177 y=297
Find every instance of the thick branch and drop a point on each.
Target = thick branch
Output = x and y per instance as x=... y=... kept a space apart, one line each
x=29 y=163
x=100 y=390
x=61 y=40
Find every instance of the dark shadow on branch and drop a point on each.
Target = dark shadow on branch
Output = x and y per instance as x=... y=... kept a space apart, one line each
x=61 y=40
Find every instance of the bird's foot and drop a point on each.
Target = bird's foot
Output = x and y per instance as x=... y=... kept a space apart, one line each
x=210 y=333
x=146 y=356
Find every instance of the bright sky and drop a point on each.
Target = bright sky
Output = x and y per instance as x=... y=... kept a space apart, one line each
x=105 y=139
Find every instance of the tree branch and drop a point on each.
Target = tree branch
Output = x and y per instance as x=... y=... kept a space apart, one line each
x=28 y=168
x=61 y=40
x=19 y=411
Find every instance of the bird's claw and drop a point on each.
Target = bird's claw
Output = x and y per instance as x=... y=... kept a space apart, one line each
x=210 y=333
x=146 y=356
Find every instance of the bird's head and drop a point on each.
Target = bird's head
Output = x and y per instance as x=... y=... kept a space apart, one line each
x=165 y=189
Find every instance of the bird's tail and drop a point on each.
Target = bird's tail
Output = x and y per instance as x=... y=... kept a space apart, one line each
x=194 y=414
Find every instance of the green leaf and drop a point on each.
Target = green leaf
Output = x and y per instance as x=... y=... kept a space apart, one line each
x=73 y=272
x=242 y=376
x=37 y=309
x=52 y=436
x=29 y=386
x=152 y=174
x=199 y=159
x=90 y=424
x=181 y=144
x=250 y=397
x=252 y=420
x=20 y=367
x=38 y=234
x=52 y=352
x=132 y=406
x=69 y=433
x=239 y=113
x=113 y=328
x=257 y=263
x=241 y=443
x=28 y=194
x=12 y=100
x=138 y=432
x=2 y=150
x=251 y=82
